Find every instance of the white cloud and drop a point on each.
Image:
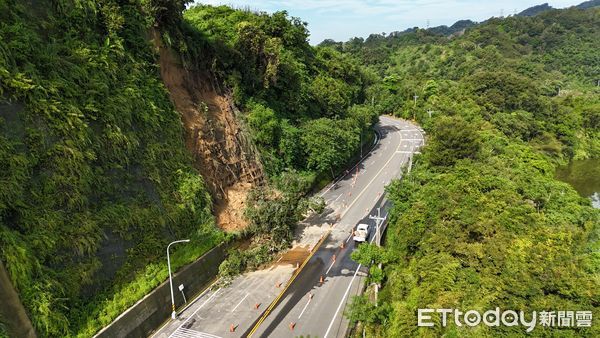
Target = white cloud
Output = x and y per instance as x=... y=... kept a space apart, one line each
x=343 y=19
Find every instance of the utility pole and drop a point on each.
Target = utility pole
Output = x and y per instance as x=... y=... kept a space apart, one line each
x=378 y=222
x=415 y=108
x=360 y=140
x=502 y=12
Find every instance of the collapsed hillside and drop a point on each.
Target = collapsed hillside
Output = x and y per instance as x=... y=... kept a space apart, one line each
x=119 y=119
x=221 y=149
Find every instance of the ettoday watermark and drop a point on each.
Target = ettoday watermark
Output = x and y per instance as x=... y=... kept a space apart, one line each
x=496 y=317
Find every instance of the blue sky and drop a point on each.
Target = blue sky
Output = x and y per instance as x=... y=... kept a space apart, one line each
x=343 y=19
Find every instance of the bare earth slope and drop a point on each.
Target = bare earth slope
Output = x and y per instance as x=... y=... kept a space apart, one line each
x=213 y=134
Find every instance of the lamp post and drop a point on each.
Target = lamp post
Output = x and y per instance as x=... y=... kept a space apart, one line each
x=173 y=314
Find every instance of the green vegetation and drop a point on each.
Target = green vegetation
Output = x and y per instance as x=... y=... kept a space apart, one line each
x=92 y=155
x=304 y=108
x=304 y=104
x=92 y=150
x=481 y=222
x=3 y=333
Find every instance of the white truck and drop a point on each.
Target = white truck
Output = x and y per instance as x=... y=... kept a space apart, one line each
x=361 y=234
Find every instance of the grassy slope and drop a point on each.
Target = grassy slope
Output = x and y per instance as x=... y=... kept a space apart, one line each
x=481 y=222
x=92 y=156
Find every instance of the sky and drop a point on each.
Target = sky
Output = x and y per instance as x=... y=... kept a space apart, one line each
x=343 y=19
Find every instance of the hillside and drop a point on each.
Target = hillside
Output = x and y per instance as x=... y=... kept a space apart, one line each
x=481 y=222
x=126 y=125
x=535 y=10
x=92 y=155
x=120 y=119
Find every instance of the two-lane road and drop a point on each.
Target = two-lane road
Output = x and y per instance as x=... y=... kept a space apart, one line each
x=307 y=306
x=315 y=308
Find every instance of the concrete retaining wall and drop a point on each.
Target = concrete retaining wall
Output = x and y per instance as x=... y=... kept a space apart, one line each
x=155 y=308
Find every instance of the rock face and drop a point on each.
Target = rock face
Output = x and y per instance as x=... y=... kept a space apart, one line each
x=222 y=152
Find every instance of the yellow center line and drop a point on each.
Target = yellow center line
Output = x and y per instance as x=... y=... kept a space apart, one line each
x=276 y=300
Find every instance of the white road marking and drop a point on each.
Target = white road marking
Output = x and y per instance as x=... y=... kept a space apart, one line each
x=344 y=297
x=326 y=273
x=194 y=313
x=377 y=139
x=305 y=306
x=340 y=195
x=188 y=333
x=238 y=304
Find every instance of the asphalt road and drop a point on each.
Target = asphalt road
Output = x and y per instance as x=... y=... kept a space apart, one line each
x=308 y=306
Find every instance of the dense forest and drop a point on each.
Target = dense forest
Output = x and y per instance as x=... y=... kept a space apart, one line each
x=93 y=152
x=481 y=222
x=92 y=155
x=92 y=149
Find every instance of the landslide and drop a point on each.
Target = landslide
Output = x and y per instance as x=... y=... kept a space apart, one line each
x=214 y=135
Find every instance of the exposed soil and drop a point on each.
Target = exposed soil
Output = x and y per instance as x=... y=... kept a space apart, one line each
x=221 y=150
x=294 y=256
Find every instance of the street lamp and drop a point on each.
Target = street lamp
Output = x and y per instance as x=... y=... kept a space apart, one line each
x=173 y=314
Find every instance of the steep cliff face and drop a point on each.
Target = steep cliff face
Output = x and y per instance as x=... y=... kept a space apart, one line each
x=222 y=153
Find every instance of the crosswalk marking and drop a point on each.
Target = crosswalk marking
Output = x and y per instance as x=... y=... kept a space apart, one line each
x=188 y=333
